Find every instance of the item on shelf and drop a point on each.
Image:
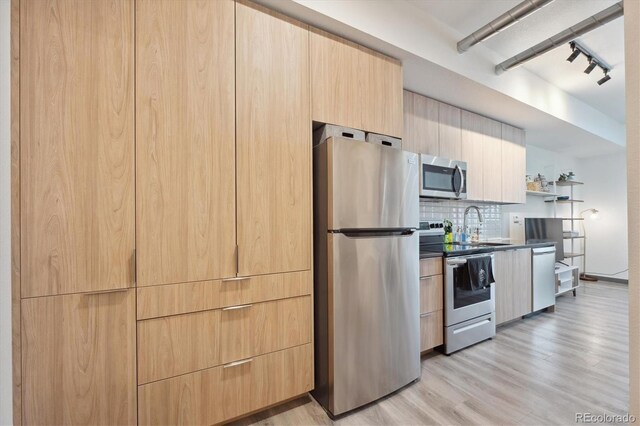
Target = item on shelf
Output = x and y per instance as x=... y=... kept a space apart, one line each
x=564 y=177
x=544 y=183
x=562 y=197
x=570 y=234
x=534 y=186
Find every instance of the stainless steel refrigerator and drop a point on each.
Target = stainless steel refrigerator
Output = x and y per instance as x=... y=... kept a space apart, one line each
x=366 y=279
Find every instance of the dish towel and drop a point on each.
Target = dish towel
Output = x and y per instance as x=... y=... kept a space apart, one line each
x=480 y=272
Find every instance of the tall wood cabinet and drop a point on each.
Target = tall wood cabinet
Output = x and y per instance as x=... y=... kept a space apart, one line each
x=76 y=146
x=77 y=325
x=354 y=86
x=185 y=148
x=273 y=150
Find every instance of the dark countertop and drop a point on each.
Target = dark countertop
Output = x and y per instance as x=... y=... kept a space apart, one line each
x=430 y=254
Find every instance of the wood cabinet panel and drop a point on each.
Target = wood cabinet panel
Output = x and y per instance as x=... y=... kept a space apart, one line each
x=431 y=266
x=472 y=153
x=503 y=273
x=514 y=165
x=185 y=148
x=220 y=394
x=449 y=131
x=159 y=301
x=336 y=80
x=78 y=359
x=513 y=284
x=431 y=330
x=431 y=294
x=273 y=144
x=382 y=96
x=77 y=146
x=522 y=286
x=354 y=86
x=420 y=124
x=182 y=344
x=492 y=161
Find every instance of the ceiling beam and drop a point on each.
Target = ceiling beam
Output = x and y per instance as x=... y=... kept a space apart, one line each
x=581 y=28
x=510 y=17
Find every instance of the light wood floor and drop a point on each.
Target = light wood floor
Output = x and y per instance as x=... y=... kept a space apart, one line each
x=541 y=370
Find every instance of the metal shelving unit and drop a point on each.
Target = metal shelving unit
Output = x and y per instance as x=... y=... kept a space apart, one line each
x=574 y=252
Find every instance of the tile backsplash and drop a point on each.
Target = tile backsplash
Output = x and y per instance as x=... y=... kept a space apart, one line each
x=454 y=211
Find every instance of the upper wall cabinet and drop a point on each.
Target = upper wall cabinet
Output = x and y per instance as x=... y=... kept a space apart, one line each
x=77 y=146
x=273 y=143
x=495 y=152
x=514 y=165
x=472 y=152
x=449 y=131
x=421 y=125
x=353 y=86
x=185 y=141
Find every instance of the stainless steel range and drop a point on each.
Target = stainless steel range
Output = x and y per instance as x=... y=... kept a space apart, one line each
x=469 y=293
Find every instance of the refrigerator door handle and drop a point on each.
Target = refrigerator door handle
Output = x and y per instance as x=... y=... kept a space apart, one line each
x=356 y=233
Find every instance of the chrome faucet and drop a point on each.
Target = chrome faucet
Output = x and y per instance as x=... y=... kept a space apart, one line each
x=466 y=212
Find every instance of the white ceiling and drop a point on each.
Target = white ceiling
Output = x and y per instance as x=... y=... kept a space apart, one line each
x=607 y=42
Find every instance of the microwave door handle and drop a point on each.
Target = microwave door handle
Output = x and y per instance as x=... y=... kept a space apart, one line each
x=459 y=189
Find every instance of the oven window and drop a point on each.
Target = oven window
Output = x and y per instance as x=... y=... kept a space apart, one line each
x=463 y=295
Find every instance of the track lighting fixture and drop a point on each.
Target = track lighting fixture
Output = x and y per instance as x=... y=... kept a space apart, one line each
x=594 y=61
x=575 y=52
x=591 y=66
x=604 y=79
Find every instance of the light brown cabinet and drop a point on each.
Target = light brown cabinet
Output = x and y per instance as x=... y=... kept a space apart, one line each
x=185 y=147
x=431 y=303
x=273 y=143
x=514 y=165
x=492 y=161
x=495 y=152
x=472 y=152
x=449 y=131
x=354 y=86
x=76 y=146
x=219 y=394
x=513 y=284
x=78 y=359
x=420 y=124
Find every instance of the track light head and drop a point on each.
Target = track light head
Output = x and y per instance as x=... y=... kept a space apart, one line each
x=604 y=79
x=591 y=66
x=574 y=52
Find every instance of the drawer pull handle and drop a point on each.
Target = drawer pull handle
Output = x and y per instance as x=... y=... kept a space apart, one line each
x=230 y=280
x=233 y=308
x=428 y=314
x=237 y=363
x=113 y=290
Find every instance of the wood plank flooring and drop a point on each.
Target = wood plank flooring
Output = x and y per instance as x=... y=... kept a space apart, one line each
x=541 y=370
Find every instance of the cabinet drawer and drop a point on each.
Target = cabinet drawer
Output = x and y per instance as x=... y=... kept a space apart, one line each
x=431 y=294
x=173 y=299
x=430 y=266
x=222 y=393
x=181 y=344
x=431 y=330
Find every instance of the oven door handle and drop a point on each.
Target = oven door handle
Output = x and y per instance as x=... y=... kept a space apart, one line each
x=456 y=262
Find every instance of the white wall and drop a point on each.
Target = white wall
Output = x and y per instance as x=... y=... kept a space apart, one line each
x=5 y=216
x=605 y=189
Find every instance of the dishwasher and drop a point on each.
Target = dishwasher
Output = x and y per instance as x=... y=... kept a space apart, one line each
x=543 y=277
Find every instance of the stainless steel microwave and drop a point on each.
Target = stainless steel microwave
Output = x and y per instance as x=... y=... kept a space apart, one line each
x=442 y=178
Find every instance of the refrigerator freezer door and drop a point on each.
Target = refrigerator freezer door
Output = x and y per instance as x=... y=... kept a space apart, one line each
x=376 y=317
x=368 y=186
